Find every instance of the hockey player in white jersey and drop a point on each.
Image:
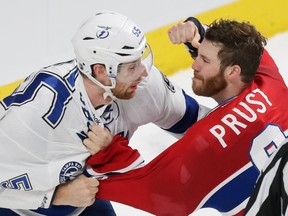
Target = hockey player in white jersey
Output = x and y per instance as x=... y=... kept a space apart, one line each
x=45 y=120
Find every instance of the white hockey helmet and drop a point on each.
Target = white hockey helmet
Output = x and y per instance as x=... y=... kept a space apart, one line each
x=111 y=39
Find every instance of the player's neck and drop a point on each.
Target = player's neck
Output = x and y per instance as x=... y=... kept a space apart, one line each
x=229 y=92
x=95 y=93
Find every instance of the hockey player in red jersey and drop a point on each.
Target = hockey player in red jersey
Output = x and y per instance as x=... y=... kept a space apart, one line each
x=217 y=162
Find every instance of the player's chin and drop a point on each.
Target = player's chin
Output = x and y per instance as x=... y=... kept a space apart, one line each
x=131 y=90
x=127 y=95
x=196 y=89
x=131 y=93
x=197 y=83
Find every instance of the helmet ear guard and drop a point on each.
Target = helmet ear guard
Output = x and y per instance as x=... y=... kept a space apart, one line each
x=110 y=39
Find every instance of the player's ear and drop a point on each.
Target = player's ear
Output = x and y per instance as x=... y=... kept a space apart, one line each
x=234 y=72
x=98 y=70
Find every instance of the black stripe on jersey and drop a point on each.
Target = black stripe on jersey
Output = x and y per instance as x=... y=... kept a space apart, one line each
x=276 y=202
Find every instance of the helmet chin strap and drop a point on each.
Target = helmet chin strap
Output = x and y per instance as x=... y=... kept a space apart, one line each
x=108 y=92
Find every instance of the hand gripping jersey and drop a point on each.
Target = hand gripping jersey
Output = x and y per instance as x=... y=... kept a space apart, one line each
x=218 y=160
x=44 y=121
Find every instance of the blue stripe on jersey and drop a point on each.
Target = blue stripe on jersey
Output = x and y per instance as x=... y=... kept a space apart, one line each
x=99 y=207
x=189 y=118
x=7 y=212
x=56 y=210
x=234 y=192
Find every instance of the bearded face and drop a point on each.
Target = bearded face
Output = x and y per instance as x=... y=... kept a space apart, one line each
x=128 y=78
x=208 y=86
x=209 y=79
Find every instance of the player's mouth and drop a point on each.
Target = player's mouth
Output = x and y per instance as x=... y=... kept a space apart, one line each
x=134 y=86
x=196 y=77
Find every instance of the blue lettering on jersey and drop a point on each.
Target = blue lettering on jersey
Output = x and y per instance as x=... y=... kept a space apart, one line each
x=107 y=117
x=82 y=135
x=110 y=115
x=90 y=117
x=21 y=182
x=61 y=88
x=86 y=111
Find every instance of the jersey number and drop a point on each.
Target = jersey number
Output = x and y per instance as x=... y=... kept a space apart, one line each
x=61 y=89
x=265 y=144
x=18 y=183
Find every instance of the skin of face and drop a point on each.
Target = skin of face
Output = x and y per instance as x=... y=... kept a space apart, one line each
x=128 y=78
x=208 y=79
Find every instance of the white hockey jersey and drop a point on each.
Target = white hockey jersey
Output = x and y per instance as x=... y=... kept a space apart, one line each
x=44 y=121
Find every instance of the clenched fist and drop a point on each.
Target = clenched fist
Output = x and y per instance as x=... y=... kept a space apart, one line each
x=79 y=192
x=185 y=32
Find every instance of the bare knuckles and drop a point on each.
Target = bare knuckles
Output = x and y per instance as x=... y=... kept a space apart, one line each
x=184 y=32
x=80 y=192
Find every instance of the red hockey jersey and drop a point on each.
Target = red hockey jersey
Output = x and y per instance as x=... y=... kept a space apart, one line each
x=217 y=162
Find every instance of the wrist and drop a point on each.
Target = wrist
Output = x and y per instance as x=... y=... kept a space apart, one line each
x=192 y=50
x=58 y=195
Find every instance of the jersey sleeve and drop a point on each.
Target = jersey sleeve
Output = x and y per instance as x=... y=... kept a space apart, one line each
x=163 y=103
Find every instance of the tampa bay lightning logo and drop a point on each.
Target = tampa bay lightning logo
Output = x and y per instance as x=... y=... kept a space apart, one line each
x=69 y=171
x=101 y=34
x=168 y=83
x=110 y=114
